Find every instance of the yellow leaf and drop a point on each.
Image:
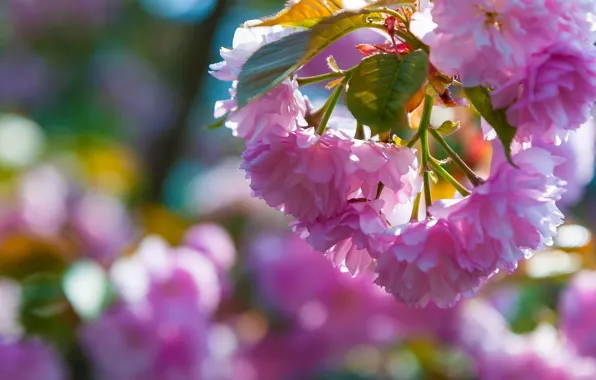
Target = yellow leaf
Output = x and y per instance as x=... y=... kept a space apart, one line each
x=305 y=13
x=334 y=83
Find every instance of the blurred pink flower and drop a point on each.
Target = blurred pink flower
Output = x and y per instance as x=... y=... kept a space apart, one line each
x=578 y=313
x=422 y=265
x=30 y=360
x=157 y=273
x=509 y=215
x=130 y=343
x=499 y=354
x=553 y=94
x=159 y=328
x=492 y=38
x=39 y=16
x=305 y=175
x=103 y=225
x=214 y=242
x=321 y=306
x=577 y=168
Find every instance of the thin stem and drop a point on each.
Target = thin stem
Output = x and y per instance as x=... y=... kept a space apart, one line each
x=330 y=105
x=423 y=132
x=359 y=131
x=474 y=179
x=449 y=178
x=319 y=78
x=414 y=140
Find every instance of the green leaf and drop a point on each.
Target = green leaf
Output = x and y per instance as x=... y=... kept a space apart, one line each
x=381 y=87
x=303 y=13
x=497 y=118
x=448 y=128
x=274 y=62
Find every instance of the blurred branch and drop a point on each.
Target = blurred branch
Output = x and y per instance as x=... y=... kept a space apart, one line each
x=194 y=59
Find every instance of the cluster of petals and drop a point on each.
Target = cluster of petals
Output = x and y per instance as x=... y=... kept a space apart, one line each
x=552 y=94
x=329 y=183
x=469 y=239
x=509 y=215
x=420 y=265
x=491 y=38
x=538 y=55
x=278 y=112
x=306 y=175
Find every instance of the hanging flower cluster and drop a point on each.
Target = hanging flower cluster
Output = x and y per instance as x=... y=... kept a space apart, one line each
x=362 y=195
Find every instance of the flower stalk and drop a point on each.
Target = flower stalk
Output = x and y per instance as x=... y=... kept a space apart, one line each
x=474 y=179
x=423 y=132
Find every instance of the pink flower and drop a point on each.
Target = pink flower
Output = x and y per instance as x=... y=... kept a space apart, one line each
x=421 y=265
x=553 y=94
x=30 y=360
x=484 y=41
x=578 y=313
x=305 y=175
x=245 y=43
x=345 y=239
x=575 y=17
x=275 y=114
x=509 y=215
x=278 y=112
x=396 y=167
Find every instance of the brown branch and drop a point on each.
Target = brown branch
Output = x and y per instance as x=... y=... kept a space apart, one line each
x=167 y=147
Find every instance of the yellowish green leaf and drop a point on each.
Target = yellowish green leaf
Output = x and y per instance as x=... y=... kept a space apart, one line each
x=274 y=62
x=304 y=13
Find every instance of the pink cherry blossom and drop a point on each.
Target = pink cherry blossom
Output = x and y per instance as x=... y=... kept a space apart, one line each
x=247 y=40
x=553 y=94
x=575 y=18
x=396 y=167
x=485 y=41
x=30 y=360
x=305 y=175
x=345 y=239
x=275 y=114
x=509 y=215
x=421 y=265
x=278 y=112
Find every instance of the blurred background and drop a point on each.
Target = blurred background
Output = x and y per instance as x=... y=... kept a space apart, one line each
x=130 y=247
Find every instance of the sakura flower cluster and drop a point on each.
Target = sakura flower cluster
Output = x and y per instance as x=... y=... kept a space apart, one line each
x=359 y=200
x=537 y=55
